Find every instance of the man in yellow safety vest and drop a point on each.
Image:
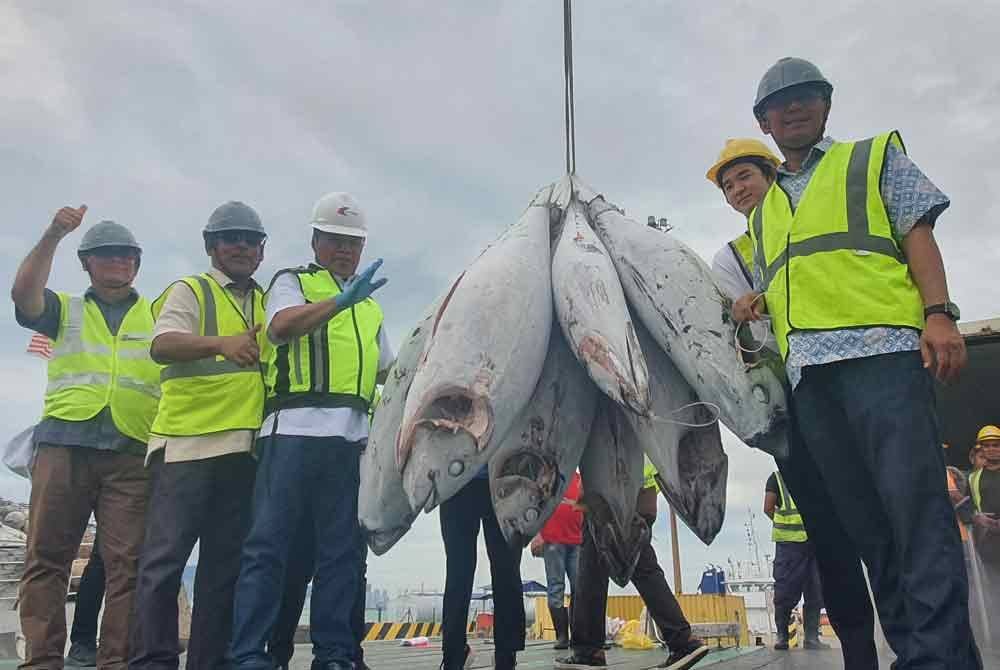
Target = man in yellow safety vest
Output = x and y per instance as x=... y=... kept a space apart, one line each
x=984 y=485
x=847 y=267
x=208 y=334
x=101 y=398
x=326 y=349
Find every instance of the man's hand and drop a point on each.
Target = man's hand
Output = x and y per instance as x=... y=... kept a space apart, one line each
x=750 y=307
x=942 y=347
x=66 y=221
x=986 y=521
x=360 y=287
x=537 y=546
x=242 y=349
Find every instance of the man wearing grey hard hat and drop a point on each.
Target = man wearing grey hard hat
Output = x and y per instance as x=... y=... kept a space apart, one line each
x=100 y=400
x=327 y=348
x=848 y=270
x=208 y=335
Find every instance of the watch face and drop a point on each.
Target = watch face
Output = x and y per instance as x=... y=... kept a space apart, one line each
x=953 y=311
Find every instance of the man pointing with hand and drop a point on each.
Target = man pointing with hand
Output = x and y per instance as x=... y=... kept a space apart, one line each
x=326 y=349
x=208 y=334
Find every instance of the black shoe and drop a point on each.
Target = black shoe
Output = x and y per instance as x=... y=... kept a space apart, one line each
x=81 y=656
x=781 y=645
x=332 y=665
x=685 y=658
x=466 y=663
x=816 y=644
x=578 y=661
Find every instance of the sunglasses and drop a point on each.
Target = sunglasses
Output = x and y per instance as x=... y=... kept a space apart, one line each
x=114 y=252
x=803 y=94
x=250 y=238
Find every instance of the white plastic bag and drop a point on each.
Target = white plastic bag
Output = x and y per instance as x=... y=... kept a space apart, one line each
x=19 y=454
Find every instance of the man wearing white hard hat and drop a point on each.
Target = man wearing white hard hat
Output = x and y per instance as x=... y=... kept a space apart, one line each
x=326 y=347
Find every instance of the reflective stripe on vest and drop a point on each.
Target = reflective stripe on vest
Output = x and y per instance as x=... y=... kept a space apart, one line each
x=839 y=230
x=788 y=526
x=335 y=365
x=212 y=394
x=974 y=487
x=742 y=248
x=92 y=369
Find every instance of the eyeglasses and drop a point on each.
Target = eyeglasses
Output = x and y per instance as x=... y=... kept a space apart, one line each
x=114 y=252
x=804 y=94
x=248 y=237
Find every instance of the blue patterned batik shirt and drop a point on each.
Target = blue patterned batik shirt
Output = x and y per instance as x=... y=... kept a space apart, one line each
x=909 y=196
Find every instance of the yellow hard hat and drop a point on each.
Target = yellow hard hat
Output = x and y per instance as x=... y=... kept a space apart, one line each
x=740 y=148
x=988 y=433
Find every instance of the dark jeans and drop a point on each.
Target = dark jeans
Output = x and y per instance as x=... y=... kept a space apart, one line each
x=299 y=478
x=89 y=597
x=870 y=425
x=299 y=573
x=845 y=591
x=796 y=575
x=590 y=600
x=460 y=519
x=205 y=501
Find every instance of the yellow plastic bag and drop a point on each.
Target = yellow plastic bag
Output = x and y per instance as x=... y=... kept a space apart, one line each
x=632 y=637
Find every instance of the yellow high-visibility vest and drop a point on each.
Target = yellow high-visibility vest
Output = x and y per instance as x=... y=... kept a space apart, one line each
x=788 y=526
x=742 y=248
x=92 y=369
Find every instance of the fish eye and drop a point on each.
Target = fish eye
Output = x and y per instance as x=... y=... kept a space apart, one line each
x=531 y=515
x=455 y=468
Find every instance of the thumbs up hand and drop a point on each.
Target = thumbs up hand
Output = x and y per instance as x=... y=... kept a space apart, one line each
x=66 y=221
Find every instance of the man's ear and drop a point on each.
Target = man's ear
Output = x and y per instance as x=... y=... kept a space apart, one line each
x=765 y=126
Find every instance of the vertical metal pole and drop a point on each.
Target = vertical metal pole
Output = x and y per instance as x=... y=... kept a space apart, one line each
x=676 y=550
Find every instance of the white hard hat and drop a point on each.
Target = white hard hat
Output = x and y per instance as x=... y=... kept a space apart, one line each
x=338 y=213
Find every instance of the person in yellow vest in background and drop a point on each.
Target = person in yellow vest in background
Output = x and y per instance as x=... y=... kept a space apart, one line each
x=847 y=267
x=984 y=485
x=796 y=573
x=327 y=347
x=101 y=398
x=744 y=171
x=209 y=335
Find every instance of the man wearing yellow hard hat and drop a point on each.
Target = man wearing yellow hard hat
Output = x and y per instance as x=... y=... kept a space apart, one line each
x=984 y=485
x=744 y=172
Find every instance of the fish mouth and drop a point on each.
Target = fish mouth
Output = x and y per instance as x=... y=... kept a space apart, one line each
x=452 y=410
x=382 y=541
x=532 y=468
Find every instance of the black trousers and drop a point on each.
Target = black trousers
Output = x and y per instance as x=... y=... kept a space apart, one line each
x=591 y=599
x=845 y=591
x=870 y=426
x=299 y=572
x=796 y=576
x=89 y=597
x=206 y=501
x=461 y=517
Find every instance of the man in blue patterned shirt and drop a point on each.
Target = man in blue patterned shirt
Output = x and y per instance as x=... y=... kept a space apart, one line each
x=847 y=267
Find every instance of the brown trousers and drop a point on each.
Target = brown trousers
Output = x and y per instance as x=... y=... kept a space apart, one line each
x=67 y=484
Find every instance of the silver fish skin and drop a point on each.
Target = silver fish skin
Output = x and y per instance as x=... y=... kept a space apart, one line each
x=384 y=511
x=611 y=469
x=532 y=467
x=692 y=465
x=486 y=350
x=593 y=314
x=675 y=296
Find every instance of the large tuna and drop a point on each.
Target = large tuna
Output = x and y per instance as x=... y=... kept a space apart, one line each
x=674 y=295
x=683 y=441
x=532 y=467
x=486 y=350
x=593 y=314
x=383 y=508
x=611 y=469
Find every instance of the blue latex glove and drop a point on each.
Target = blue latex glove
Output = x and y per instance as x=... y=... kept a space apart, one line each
x=359 y=287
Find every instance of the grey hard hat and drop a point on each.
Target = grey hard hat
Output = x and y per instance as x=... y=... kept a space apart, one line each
x=234 y=215
x=786 y=73
x=107 y=234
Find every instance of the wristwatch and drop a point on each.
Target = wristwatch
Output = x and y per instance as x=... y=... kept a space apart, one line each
x=949 y=309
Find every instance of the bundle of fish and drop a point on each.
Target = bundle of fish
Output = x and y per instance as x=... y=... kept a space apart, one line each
x=579 y=338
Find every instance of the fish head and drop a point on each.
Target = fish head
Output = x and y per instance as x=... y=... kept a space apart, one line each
x=525 y=488
x=382 y=541
x=440 y=462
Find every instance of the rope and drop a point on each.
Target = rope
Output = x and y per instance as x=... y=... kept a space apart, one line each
x=568 y=74
x=701 y=403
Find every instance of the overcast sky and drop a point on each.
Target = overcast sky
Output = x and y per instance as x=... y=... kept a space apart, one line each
x=443 y=119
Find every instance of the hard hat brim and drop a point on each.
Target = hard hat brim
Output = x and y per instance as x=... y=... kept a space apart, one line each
x=340 y=230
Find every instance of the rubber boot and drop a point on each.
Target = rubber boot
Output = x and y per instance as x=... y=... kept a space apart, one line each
x=560 y=621
x=811 y=624
x=781 y=619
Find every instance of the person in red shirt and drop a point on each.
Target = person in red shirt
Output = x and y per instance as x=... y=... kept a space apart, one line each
x=559 y=544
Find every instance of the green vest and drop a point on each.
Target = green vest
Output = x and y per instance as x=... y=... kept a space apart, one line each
x=212 y=394
x=742 y=248
x=649 y=476
x=833 y=263
x=788 y=526
x=336 y=364
x=92 y=369
x=975 y=487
